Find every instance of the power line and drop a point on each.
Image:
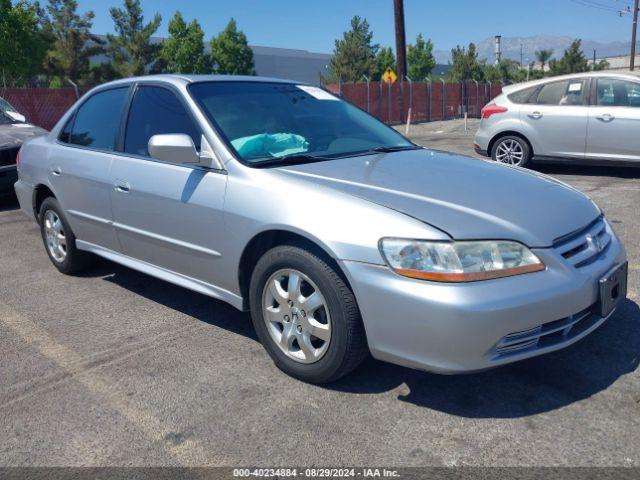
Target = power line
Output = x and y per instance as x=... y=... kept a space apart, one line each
x=603 y=6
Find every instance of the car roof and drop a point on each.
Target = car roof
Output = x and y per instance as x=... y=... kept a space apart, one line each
x=634 y=75
x=182 y=79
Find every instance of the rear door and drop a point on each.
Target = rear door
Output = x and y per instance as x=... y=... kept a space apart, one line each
x=557 y=116
x=614 y=121
x=166 y=214
x=80 y=166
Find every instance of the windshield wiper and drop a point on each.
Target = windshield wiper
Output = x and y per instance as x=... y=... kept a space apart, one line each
x=291 y=159
x=399 y=148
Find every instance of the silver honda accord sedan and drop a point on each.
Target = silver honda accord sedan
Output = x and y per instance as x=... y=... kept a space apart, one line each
x=337 y=233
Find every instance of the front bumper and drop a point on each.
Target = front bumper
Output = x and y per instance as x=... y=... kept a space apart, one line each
x=459 y=328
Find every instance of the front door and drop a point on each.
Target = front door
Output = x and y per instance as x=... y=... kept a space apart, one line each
x=614 y=121
x=168 y=215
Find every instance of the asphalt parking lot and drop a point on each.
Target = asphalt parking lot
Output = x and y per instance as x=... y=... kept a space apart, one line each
x=114 y=367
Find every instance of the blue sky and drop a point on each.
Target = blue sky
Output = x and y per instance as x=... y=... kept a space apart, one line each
x=313 y=24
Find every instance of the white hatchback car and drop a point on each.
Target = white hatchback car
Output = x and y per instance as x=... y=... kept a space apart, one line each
x=588 y=118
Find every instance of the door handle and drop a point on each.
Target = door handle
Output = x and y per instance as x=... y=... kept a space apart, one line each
x=122 y=187
x=605 y=117
x=56 y=171
x=535 y=115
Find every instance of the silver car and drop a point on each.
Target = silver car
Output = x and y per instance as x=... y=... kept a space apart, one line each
x=14 y=130
x=338 y=234
x=590 y=118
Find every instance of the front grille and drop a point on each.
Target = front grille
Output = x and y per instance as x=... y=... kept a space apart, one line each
x=545 y=335
x=586 y=245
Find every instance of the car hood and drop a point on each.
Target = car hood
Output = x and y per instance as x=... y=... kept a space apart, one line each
x=464 y=197
x=16 y=134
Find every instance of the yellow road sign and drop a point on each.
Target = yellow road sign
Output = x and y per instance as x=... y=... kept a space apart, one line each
x=389 y=76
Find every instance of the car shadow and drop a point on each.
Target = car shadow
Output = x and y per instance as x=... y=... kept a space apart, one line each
x=521 y=389
x=587 y=170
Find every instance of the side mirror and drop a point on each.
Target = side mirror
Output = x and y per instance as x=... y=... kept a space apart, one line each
x=173 y=147
x=179 y=148
x=15 y=116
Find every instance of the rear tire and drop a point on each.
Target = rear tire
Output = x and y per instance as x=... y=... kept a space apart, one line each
x=59 y=240
x=289 y=274
x=511 y=150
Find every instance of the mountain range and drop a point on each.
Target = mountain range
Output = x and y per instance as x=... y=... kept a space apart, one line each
x=511 y=48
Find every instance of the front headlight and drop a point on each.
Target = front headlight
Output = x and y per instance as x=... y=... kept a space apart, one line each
x=467 y=261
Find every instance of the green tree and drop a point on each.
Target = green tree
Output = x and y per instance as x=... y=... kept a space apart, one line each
x=506 y=71
x=71 y=44
x=131 y=50
x=573 y=60
x=543 y=56
x=600 y=65
x=384 y=59
x=465 y=65
x=21 y=45
x=231 y=52
x=354 y=55
x=420 y=58
x=183 y=51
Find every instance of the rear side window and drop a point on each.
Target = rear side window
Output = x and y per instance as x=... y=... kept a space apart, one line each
x=522 y=96
x=156 y=111
x=566 y=92
x=617 y=93
x=97 y=121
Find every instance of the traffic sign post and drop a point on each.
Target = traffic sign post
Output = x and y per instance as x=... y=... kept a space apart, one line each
x=389 y=77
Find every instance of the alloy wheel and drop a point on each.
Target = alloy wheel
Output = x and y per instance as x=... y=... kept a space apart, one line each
x=55 y=236
x=296 y=315
x=510 y=152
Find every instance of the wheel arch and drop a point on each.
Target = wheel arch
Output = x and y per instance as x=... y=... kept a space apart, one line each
x=509 y=133
x=268 y=239
x=40 y=193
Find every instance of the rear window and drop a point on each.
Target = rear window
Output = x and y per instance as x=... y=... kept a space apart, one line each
x=565 y=92
x=97 y=121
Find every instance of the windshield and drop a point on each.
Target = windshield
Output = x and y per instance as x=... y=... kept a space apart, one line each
x=6 y=106
x=264 y=122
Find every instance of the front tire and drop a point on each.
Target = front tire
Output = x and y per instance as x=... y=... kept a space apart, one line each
x=306 y=316
x=512 y=150
x=59 y=240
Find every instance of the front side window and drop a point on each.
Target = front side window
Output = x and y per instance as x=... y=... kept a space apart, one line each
x=97 y=121
x=617 y=93
x=265 y=121
x=566 y=92
x=156 y=111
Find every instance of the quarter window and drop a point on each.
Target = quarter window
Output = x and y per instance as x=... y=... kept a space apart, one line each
x=618 y=93
x=567 y=92
x=522 y=96
x=97 y=121
x=156 y=111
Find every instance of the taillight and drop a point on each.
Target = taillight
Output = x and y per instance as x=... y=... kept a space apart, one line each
x=492 y=109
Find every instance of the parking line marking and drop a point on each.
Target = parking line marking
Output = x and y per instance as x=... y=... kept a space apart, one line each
x=187 y=453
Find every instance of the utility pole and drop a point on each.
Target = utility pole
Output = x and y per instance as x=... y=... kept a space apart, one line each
x=632 y=61
x=401 y=42
x=520 y=55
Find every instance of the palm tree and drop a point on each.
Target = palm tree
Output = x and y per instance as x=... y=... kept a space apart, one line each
x=543 y=56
